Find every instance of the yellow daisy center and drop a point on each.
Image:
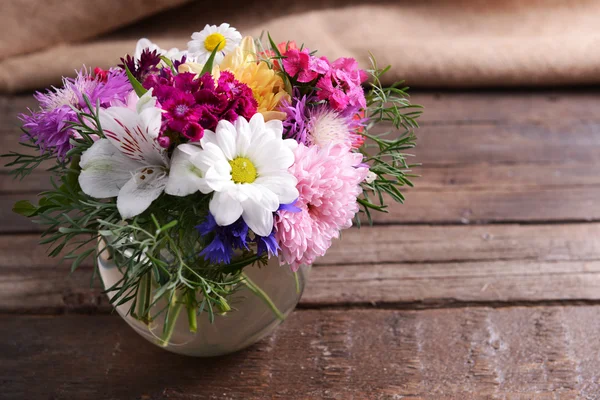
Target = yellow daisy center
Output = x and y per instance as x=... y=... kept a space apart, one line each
x=242 y=170
x=213 y=40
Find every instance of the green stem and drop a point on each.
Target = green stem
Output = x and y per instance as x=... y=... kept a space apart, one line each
x=191 y=312
x=297 y=282
x=170 y=320
x=264 y=296
x=143 y=300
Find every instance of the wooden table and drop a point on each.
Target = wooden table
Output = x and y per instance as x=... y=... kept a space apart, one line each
x=486 y=284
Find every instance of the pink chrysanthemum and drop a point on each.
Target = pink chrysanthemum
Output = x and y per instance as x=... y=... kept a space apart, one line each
x=328 y=182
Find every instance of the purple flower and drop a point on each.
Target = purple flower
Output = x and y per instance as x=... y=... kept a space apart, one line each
x=146 y=65
x=49 y=127
x=232 y=237
x=296 y=122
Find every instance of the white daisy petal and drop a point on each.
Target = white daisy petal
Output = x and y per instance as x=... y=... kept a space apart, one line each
x=212 y=157
x=257 y=123
x=282 y=185
x=104 y=170
x=216 y=181
x=209 y=137
x=275 y=127
x=140 y=191
x=226 y=137
x=258 y=218
x=202 y=44
x=225 y=208
x=247 y=164
x=244 y=135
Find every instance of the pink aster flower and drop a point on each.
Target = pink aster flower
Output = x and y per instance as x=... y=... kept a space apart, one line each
x=328 y=184
x=341 y=85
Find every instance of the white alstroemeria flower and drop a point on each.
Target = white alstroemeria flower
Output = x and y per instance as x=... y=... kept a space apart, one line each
x=129 y=164
x=173 y=54
x=203 y=43
x=246 y=165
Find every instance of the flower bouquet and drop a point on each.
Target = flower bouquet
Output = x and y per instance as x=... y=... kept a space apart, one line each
x=203 y=183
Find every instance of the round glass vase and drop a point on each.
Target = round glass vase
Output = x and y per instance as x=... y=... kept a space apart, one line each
x=257 y=308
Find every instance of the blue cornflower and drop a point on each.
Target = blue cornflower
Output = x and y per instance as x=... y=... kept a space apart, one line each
x=232 y=237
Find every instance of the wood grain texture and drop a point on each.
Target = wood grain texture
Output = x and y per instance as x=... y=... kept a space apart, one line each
x=476 y=353
x=433 y=266
x=488 y=157
x=428 y=304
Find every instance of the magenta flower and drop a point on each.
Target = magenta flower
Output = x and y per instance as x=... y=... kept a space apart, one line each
x=193 y=104
x=341 y=85
x=303 y=66
x=181 y=110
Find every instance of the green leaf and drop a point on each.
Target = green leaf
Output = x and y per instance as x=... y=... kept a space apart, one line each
x=137 y=86
x=209 y=63
x=25 y=208
x=168 y=63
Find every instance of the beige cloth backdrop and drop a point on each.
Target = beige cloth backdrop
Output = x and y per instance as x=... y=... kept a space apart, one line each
x=436 y=43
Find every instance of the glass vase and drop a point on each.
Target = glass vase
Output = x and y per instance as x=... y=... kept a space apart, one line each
x=255 y=313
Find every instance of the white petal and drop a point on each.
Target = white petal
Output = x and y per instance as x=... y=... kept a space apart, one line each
x=225 y=208
x=226 y=138
x=143 y=44
x=137 y=194
x=216 y=181
x=104 y=170
x=275 y=128
x=290 y=144
x=273 y=156
x=244 y=135
x=184 y=177
x=145 y=102
x=283 y=185
x=260 y=195
x=257 y=124
x=212 y=157
x=134 y=134
x=209 y=137
x=258 y=218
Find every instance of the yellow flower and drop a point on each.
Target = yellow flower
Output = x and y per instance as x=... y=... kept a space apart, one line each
x=190 y=67
x=267 y=87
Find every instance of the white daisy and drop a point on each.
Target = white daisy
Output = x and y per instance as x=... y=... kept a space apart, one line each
x=128 y=163
x=204 y=42
x=173 y=54
x=246 y=165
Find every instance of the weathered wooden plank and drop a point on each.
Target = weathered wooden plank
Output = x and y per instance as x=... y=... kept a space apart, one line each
x=519 y=204
x=451 y=205
x=539 y=106
x=37 y=182
x=420 y=266
x=418 y=285
x=447 y=107
x=512 y=353
x=469 y=128
x=536 y=160
x=407 y=286
x=431 y=177
x=404 y=244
